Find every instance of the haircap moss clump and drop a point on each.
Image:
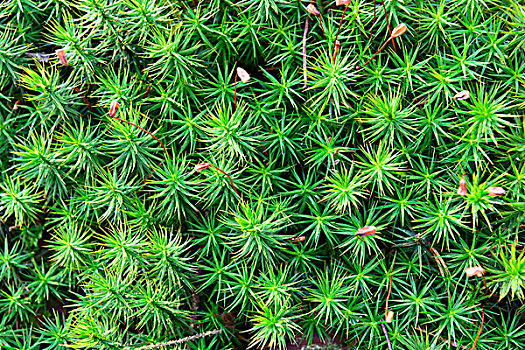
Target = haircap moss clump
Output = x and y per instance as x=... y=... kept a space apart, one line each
x=262 y=174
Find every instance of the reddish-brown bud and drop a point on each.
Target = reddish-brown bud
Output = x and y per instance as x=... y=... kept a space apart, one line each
x=61 y=54
x=201 y=167
x=297 y=239
x=15 y=107
x=311 y=9
x=390 y=316
x=15 y=227
x=366 y=231
x=496 y=191
x=462 y=95
x=462 y=190
x=399 y=30
x=336 y=49
x=243 y=75
x=342 y=2
x=113 y=108
x=475 y=271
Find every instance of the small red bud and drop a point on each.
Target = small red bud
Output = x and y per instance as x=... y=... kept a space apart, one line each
x=62 y=57
x=366 y=231
x=201 y=167
x=399 y=30
x=311 y=9
x=243 y=75
x=462 y=95
x=297 y=239
x=475 y=271
x=113 y=108
x=496 y=191
x=336 y=49
x=15 y=107
x=462 y=190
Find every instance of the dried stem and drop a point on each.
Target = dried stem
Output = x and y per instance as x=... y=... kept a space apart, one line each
x=389 y=287
x=341 y=22
x=222 y=171
x=439 y=262
x=387 y=337
x=84 y=98
x=321 y=25
x=388 y=24
x=378 y=51
x=439 y=259
x=480 y=328
x=178 y=341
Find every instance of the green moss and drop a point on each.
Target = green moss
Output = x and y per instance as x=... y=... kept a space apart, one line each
x=150 y=192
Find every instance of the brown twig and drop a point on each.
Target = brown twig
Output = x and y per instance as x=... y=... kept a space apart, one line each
x=195 y=307
x=269 y=68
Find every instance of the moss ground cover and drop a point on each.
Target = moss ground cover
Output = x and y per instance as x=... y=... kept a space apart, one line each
x=270 y=174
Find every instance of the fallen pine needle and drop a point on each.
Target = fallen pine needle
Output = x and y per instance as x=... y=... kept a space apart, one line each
x=440 y=261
